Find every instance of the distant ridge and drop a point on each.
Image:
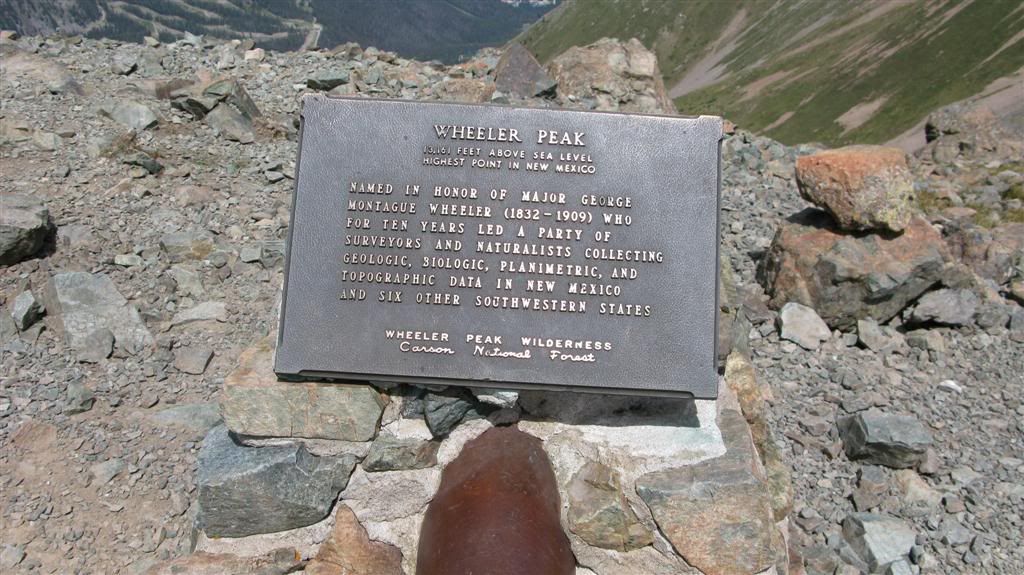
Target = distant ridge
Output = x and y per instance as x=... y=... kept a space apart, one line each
x=445 y=30
x=831 y=72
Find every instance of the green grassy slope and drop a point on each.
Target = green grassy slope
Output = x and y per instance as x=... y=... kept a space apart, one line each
x=792 y=69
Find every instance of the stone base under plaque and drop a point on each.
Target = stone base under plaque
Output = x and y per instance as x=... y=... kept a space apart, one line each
x=647 y=485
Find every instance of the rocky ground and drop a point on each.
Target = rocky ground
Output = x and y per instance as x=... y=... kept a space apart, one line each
x=166 y=171
x=964 y=383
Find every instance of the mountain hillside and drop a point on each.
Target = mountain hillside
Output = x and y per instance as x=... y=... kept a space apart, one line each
x=798 y=71
x=445 y=30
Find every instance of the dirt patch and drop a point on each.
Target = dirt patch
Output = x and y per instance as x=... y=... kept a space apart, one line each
x=856 y=116
x=709 y=69
x=778 y=121
x=754 y=88
x=1016 y=38
x=879 y=9
x=910 y=141
x=1002 y=96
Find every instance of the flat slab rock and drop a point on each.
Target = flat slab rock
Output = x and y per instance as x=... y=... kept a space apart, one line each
x=85 y=303
x=255 y=402
x=249 y=490
x=717 y=513
x=201 y=563
x=496 y=512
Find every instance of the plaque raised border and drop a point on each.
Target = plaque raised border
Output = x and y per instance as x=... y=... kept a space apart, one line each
x=648 y=323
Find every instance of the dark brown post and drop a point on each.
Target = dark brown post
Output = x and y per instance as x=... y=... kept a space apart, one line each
x=496 y=512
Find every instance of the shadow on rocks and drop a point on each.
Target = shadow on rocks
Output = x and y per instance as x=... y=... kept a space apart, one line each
x=608 y=410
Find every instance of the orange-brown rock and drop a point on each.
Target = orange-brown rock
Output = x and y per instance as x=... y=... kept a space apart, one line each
x=349 y=551
x=863 y=187
x=846 y=277
x=496 y=512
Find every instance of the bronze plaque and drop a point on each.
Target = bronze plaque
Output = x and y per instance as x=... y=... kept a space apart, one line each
x=503 y=247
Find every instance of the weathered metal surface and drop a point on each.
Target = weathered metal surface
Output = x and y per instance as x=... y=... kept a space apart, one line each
x=496 y=246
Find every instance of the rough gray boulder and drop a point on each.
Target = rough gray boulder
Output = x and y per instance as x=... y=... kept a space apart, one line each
x=878 y=338
x=327 y=79
x=802 y=326
x=25 y=227
x=249 y=490
x=443 y=411
x=897 y=441
x=953 y=307
x=231 y=125
x=26 y=310
x=846 y=277
x=879 y=540
x=131 y=114
x=519 y=74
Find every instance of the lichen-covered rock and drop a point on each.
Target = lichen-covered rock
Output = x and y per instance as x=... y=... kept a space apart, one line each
x=845 y=278
x=863 y=187
x=248 y=490
x=184 y=246
x=25 y=227
x=254 y=402
x=471 y=90
x=496 y=512
x=611 y=75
